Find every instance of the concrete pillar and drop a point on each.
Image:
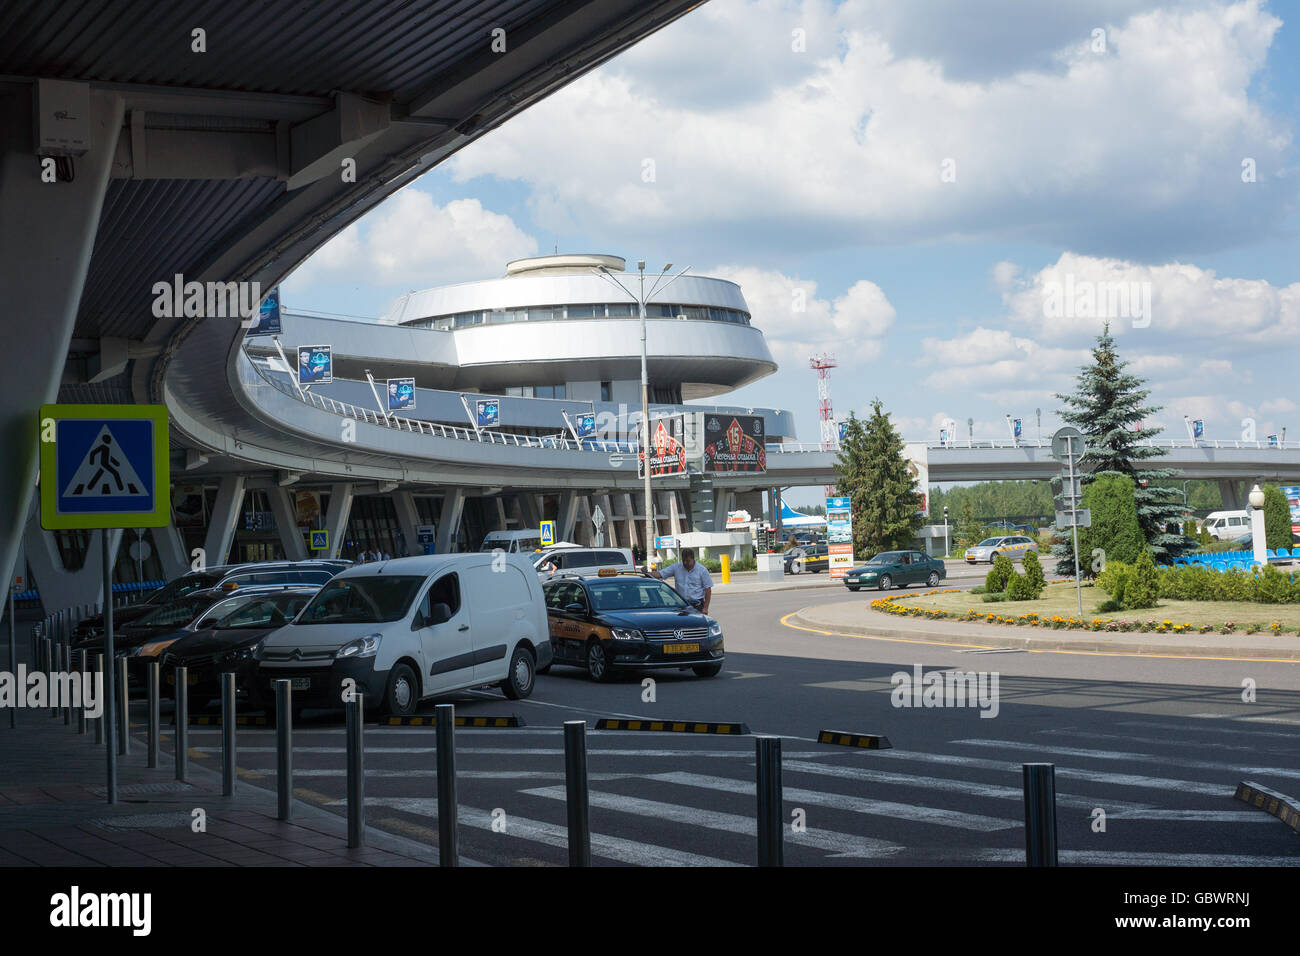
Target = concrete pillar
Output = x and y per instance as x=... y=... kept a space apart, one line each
x=172 y=555
x=226 y=511
x=567 y=517
x=674 y=515
x=453 y=506
x=1234 y=498
x=336 y=519
x=500 y=505
x=631 y=525
x=723 y=501
x=45 y=245
x=530 y=512
x=285 y=510
x=408 y=519
x=59 y=587
x=610 y=528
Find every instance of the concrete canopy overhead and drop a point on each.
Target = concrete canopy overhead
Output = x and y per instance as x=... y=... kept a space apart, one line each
x=228 y=141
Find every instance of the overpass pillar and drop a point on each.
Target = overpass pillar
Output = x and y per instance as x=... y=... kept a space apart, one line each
x=1231 y=493
x=500 y=505
x=285 y=510
x=530 y=515
x=674 y=515
x=453 y=506
x=610 y=527
x=408 y=519
x=336 y=518
x=42 y=272
x=59 y=587
x=171 y=551
x=221 y=525
x=567 y=517
x=630 y=522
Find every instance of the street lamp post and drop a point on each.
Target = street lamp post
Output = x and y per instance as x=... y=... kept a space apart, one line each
x=640 y=299
x=1258 y=544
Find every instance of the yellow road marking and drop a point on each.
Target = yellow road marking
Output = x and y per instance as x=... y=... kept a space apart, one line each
x=1038 y=650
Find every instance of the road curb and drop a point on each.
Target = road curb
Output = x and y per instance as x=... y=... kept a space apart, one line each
x=1003 y=641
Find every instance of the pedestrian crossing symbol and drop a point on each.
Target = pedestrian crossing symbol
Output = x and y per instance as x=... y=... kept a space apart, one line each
x=104 y=466
x=320 y=541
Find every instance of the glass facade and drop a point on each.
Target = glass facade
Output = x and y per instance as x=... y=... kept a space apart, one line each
x=550 y=313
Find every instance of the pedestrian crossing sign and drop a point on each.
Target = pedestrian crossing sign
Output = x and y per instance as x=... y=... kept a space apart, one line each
x=104 y=466
x=320 y=541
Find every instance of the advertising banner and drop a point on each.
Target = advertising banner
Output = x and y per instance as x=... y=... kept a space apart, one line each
x=1292 y=493
x=843 y=427
x=268 y=318
x=487 y=411
x=667 y=448
x=307 y=509
x=918 y=466
x=401 y=394
x=315 y=364
x=189 y=506
x=585 y=424
x=839 y=536
x=734 y=443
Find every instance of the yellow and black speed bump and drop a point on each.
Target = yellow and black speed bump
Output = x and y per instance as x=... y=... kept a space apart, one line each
x=239 y=721
x=431 y=721
x=1286 y=809
x=673 y=726
x=865 y=741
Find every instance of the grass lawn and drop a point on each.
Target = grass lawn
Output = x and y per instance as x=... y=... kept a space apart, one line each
x=1059 y=599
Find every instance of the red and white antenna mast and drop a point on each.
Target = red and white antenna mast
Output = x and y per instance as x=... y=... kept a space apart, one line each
x=823 y=364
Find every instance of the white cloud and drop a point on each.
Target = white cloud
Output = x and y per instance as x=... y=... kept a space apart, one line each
x=847 y=140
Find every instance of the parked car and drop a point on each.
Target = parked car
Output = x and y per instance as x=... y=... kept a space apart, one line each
x=227 y=644
x=412 y=628
x=514 y=542
x=261 y=572
x=554 y=560
x=1013 y=546
x=896 y=568
x=813 y=557
x=606 y=623
x=1226 y=525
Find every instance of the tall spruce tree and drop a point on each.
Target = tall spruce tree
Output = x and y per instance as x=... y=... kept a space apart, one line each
x=1108 y=407
x=873 y=474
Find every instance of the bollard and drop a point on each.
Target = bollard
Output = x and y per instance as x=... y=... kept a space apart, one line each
x=448 y=832
x=1040 y=814
x=13 y=657
x=181 y=716
x=770 y=824
x=85 y=676
x=124 y=710
x=284 y=749
x=154 y=714
x=65 y=666
x=725 y=562
x=356 y=772
x=104 y=703
x=227 y=734
x=47 y=658
x=575 y=787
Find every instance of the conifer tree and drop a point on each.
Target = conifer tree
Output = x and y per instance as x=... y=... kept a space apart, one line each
x=873 y=474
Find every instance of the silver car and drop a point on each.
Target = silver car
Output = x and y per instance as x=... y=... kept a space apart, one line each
x=1012 y=545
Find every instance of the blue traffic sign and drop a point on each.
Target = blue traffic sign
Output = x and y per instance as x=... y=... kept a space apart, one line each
x=319 y=541
x=104 y=466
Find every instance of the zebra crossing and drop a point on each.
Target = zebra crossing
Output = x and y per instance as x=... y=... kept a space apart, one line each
x=691 y=801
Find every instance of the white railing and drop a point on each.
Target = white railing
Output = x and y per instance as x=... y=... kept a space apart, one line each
x=423 y=427
x=785 y=448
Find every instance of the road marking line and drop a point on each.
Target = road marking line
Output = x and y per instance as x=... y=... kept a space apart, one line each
x=1144 y=758
x=837 y=844
x=884 y=808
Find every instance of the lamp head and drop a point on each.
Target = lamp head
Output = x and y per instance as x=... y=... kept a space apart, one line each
x=1256 y=497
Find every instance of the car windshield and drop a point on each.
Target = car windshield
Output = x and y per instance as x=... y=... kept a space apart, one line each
x=371 y=599
x=633 y=594
x=988 y=542
x=889 y=557
x=181 y=587
x=273 y=611
x=180 y=611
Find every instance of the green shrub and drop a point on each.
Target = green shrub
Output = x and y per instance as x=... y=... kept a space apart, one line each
x=1142 y=589
x=1115 y=529
x=1277 y=519
x=1034 y=574
x=1109 y=606
x=1111 y=579
x=993 y=598
x=1019 y=588
x=996 y=580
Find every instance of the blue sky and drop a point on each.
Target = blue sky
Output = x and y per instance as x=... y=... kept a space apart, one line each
x=927 y=173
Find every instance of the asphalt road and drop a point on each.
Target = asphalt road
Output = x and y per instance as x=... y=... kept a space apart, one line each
x=1157 y=745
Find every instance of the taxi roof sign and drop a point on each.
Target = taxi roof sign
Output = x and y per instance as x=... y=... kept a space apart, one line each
x=104 y=466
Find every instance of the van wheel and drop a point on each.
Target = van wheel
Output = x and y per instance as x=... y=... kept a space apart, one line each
x=402 y=696
x=523 y=671
x=597 y=662
x=707 y=670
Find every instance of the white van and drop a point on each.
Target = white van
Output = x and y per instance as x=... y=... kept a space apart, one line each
x=412 y=628
x=569 y=559
x=1226 y=525
x=514 y=542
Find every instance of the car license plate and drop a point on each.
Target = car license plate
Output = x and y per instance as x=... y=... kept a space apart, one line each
x=681 y=648
x=851 y=580
x=300 y=683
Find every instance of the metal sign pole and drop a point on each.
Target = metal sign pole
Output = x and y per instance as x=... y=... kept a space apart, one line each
x=13 y=656
x=110 y=690
x=1074 y=521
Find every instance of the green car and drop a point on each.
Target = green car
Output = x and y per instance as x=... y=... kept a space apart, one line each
x=896 y=569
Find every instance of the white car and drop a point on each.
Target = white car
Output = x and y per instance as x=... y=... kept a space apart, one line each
x=549 y=563
x=412 y=628
x=1014 y=546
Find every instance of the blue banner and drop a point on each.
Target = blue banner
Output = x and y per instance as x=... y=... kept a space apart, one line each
x=1016 y=425
x=315 y=364
x=268 y=320
x=585 y=425
x=488 y=412
x=401 y=394
x=1198 y=428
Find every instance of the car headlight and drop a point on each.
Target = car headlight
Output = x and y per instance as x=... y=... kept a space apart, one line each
x=362 y=647
x=868 y=574
x=715 y=628
x=626 y=634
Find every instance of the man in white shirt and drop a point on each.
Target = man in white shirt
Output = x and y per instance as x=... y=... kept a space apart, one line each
x=690 y=579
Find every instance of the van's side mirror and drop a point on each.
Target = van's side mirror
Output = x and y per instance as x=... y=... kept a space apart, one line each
x=440 y=614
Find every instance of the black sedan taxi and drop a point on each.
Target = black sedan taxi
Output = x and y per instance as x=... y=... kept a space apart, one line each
x=607 y=622
x=896 y=569
x=228 y=644
x=812 y=557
